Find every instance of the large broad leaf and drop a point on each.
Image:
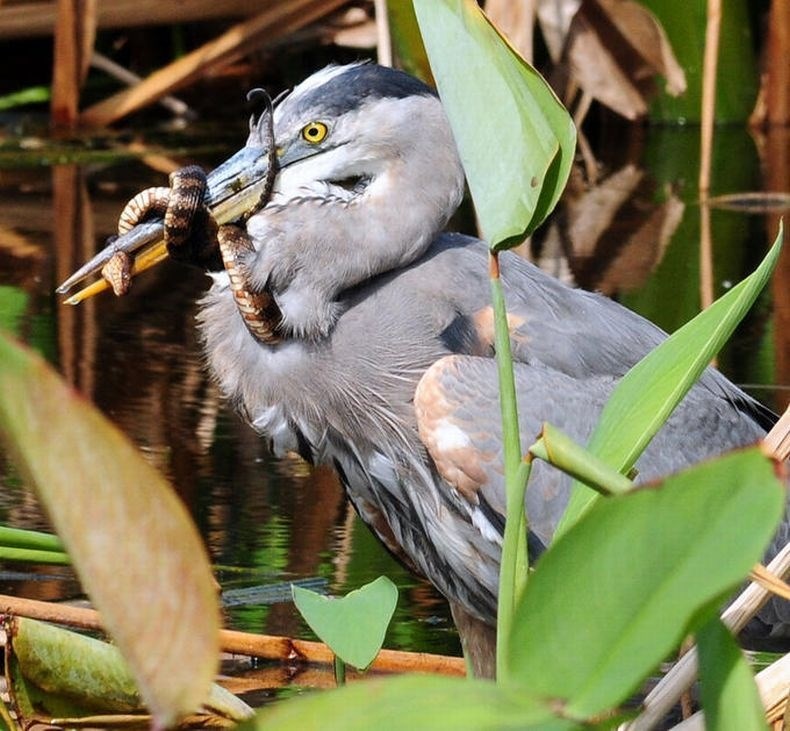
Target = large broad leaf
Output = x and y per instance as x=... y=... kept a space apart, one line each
x=729 y=693
x=515 y=138
x=354 y=625
x=130 y=538
x=612 y=597
x=649 y=392
x=414 y=703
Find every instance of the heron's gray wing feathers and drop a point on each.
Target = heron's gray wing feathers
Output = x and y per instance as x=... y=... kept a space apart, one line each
x=458 y=417
x=585 y=334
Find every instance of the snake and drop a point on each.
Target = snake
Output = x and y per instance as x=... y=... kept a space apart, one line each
x=179 y=204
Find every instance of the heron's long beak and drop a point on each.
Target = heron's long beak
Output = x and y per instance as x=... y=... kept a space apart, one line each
x=235 y=189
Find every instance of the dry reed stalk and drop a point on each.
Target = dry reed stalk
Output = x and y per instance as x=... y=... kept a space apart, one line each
x=777 y=441
x=103 y=63
x=267 y=647
x=74 y=37
x=276 y=21
x=772 y=686
x=383 y=37
x=777 y=96
x=38 y=18
x=762 y=576
x=708 y=113
x=709 y=66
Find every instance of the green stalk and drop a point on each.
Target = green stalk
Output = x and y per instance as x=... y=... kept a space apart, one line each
x=30 y=546
x=340 y=671
x=21 y=538
x=515 y=562
x=32 y=555
x=558 y=449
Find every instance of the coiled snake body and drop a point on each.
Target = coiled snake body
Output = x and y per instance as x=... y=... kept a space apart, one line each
x=187 y=220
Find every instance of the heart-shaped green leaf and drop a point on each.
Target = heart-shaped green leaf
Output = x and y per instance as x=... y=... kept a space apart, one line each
x=515 y=138
x=354 y=625
x=622 y=586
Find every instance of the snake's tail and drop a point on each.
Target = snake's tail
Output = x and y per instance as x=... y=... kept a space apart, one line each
x=258 y=309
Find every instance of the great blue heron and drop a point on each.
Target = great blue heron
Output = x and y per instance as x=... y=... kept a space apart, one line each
x=375 y=353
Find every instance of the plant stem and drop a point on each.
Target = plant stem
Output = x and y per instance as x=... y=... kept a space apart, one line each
x=515 y=562
x=340 y=671
x=22 y=538
x=265 y=647
x=558 y=449
x=32 y=555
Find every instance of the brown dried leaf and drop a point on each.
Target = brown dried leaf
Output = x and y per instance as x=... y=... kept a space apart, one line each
x=555 y=18
x=515 y=20
x=353 y=28
x=646 y=35
x=615 y=48
x=777 y=441
x=132 y=542
x=592 y=212
x=609 y=254
x=599 y=73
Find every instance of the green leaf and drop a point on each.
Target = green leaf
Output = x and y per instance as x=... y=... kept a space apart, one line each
x=557 y=448
x=132 y=542
x=649 y=392
x=622 y=586
x=413 y=702
x=515 y=138
x=31 y=95
x=354 y=625
x=406 y=39
x=729 y=693
x=13 y=303
x=57 y=663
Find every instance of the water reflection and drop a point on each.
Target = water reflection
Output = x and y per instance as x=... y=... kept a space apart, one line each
x=634 y=236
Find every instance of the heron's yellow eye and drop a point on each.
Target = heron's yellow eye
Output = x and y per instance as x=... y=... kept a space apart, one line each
x=314 y=132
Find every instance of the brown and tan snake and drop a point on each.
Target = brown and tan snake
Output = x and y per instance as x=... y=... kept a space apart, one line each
x=179 y=205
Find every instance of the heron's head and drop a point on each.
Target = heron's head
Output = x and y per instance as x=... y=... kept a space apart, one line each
x=367 y=175
x=344 y=128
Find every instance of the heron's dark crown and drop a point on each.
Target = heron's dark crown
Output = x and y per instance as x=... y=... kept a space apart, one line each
x=348 y=87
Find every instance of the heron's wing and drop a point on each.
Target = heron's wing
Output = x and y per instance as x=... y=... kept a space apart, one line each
x=458 y=417
x=577 y=333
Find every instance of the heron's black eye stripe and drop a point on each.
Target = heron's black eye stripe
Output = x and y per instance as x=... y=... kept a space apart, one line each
x=314 y=132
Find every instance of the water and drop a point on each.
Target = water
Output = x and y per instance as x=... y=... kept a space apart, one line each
x=636 y=238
